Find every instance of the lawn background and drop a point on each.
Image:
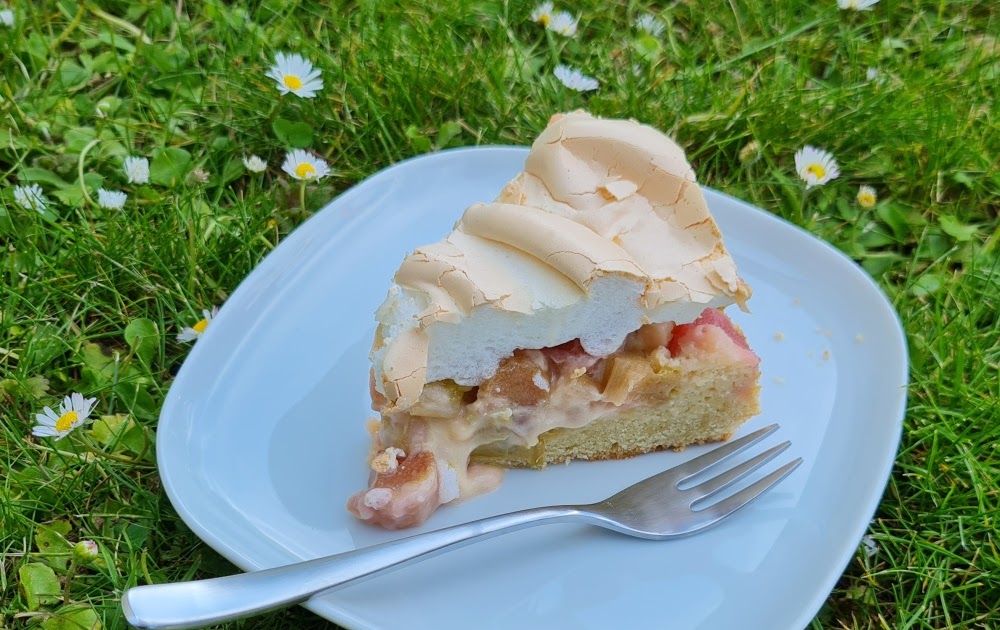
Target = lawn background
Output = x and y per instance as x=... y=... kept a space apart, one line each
x=92 y=299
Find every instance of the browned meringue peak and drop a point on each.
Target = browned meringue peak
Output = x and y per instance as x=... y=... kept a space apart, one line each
x=604 y=230
x=632 y=184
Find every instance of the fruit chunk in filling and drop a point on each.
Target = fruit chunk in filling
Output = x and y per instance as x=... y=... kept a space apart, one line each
x=422 y=456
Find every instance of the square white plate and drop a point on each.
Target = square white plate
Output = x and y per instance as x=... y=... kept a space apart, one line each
x=261 y=438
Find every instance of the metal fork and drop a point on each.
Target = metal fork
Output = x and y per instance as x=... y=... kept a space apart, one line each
x=659 y=507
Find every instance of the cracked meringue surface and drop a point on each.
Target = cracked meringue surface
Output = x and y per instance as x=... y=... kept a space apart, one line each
x=605 y=230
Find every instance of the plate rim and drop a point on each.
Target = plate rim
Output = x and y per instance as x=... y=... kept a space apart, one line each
x=902 y=378
x=326 y=610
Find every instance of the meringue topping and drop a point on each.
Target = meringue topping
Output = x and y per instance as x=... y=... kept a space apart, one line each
x=605 y=230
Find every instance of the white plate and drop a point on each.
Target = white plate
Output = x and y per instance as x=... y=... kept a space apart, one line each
x=261 y=438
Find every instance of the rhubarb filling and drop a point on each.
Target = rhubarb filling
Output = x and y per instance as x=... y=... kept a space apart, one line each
x=453 y=441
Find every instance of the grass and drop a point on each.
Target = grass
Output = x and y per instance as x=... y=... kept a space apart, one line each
x=92 y=299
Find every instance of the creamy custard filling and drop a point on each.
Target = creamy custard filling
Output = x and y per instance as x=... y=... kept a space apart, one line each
x=441 y=448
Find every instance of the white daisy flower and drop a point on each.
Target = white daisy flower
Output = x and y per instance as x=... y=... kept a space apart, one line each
x=30 y=197
x=86 y=551
x=867 y=196
x=137 y=170
x=254 y=164
x=563 y=23
x=295 y=74
x=198 y=176
x=111 y=199
x=650 y=25
x=190 y=333
x=815 y=166
x=574 y=79
x=7 y=18
x=74 y=411
x=542 y=13
x=871 y=74
x=857 y=5
x=304 y=165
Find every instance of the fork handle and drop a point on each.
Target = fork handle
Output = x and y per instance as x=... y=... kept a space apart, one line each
x=201 y=603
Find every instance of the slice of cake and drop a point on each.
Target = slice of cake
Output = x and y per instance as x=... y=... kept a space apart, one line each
x=578 y=316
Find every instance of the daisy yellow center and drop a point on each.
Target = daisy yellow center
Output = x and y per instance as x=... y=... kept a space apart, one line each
x=292 y=81
x=866 y=199
x=817 y=170
x=544 y=19
x=65 y=421
x=200 y=326
x=305 y=170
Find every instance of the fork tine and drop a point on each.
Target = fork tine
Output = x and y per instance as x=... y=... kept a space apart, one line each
x=690 y=469
x=727 y=506
x=720 y=482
